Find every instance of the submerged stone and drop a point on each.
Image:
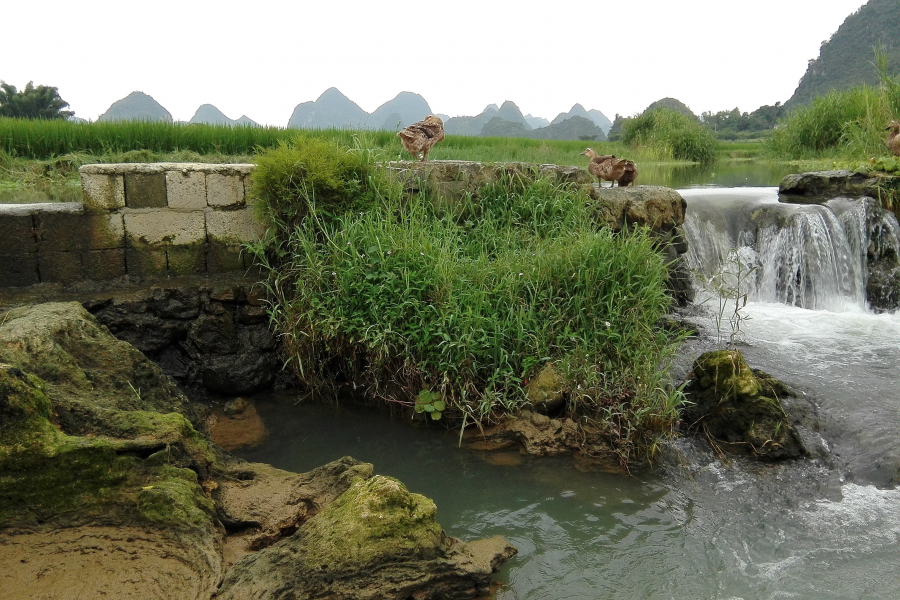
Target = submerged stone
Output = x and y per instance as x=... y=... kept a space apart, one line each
x=738 y=409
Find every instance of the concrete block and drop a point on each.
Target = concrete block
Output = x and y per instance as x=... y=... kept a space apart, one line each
x=16 y=231
x=186 y=188
x=19 y=269
x=233 y=226
x=165 y=227
x=102 y=265
x=224 y=258
x=102 y=191
x=145 y=190
x=186 y=260
x=60 y=267
x=142 y=261
x=65 y=232
x=224 y=190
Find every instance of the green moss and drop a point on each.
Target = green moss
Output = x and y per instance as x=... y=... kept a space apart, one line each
x=175 y=499
x=726 y=372
x=47 y=476
x=24 y=406
x=374 y=519
x=54 y=475
x=740 y=409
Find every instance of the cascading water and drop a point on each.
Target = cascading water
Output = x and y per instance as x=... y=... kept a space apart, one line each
x=805 y=255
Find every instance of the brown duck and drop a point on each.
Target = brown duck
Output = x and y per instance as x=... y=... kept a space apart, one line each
x=419 y=137
x=606 y=167
x=893 y=139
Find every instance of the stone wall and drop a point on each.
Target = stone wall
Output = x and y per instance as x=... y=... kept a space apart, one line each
x=136 y=221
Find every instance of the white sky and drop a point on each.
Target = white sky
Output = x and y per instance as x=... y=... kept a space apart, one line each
x=263 y=57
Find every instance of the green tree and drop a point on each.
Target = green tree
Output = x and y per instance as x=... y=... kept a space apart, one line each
x=41 y=102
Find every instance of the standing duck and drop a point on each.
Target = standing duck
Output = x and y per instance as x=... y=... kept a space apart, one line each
x=606 y=167
x=419 y=137
x=893 y=139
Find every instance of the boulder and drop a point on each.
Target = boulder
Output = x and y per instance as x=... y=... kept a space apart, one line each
x=738 y=409
x=376 y=541
x=86 y=370
x=261 y=504
x=546 y=390
x=819 y=186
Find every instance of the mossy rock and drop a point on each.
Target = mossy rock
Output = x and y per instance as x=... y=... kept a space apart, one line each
x=546 y=390
x=86 y=371
x=739 y=409
x=376 y=540
x=375 y=520
x=50 y=478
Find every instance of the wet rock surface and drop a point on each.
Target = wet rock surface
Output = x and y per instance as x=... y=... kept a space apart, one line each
x=208 y=337
x=820 y=186
x=232 y=429
x=738 y=409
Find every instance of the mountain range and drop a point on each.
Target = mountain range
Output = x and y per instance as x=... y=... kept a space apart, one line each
x=844 y=60
x=334 y=109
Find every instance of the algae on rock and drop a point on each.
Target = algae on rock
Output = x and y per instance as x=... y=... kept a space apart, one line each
x=739 y=408
x=377 y=540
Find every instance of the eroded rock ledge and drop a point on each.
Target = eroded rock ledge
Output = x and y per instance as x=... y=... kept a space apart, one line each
x=105 y=484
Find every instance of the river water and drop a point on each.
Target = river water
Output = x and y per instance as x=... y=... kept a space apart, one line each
x=694 y=527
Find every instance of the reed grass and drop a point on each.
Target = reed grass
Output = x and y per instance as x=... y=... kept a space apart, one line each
x=407 y=298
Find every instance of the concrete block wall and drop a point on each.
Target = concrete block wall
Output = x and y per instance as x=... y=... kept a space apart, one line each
x=139 y=220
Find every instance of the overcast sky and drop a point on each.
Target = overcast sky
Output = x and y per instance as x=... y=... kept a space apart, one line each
x=263 y=57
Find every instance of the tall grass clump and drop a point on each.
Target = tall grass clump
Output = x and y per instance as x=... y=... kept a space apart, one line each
x=454 y=307
x=670 y=135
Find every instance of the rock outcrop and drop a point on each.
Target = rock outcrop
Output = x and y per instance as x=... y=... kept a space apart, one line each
x=739 y=409
x=661 y=210
x=106 y=485
x=377 y=540
x=819 y=186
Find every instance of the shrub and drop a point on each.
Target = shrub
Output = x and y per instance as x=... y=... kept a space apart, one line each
x=670 y=135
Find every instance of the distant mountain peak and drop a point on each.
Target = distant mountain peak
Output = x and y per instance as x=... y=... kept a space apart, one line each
x=136 y=106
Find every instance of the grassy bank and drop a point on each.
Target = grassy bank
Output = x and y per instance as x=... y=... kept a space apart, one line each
x=452 y=310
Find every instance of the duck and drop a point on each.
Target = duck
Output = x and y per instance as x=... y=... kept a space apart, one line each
x=418 y=138
x=893 y=139
x=606 y=167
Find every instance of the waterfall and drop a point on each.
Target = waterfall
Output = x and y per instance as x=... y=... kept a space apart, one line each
x=806 y=255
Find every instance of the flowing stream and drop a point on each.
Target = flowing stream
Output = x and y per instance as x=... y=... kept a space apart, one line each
x=695 y=527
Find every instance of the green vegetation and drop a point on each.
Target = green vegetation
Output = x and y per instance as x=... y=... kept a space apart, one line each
x=847 y=124
x=41 y=102
x=669 y=135
x=464 y=301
